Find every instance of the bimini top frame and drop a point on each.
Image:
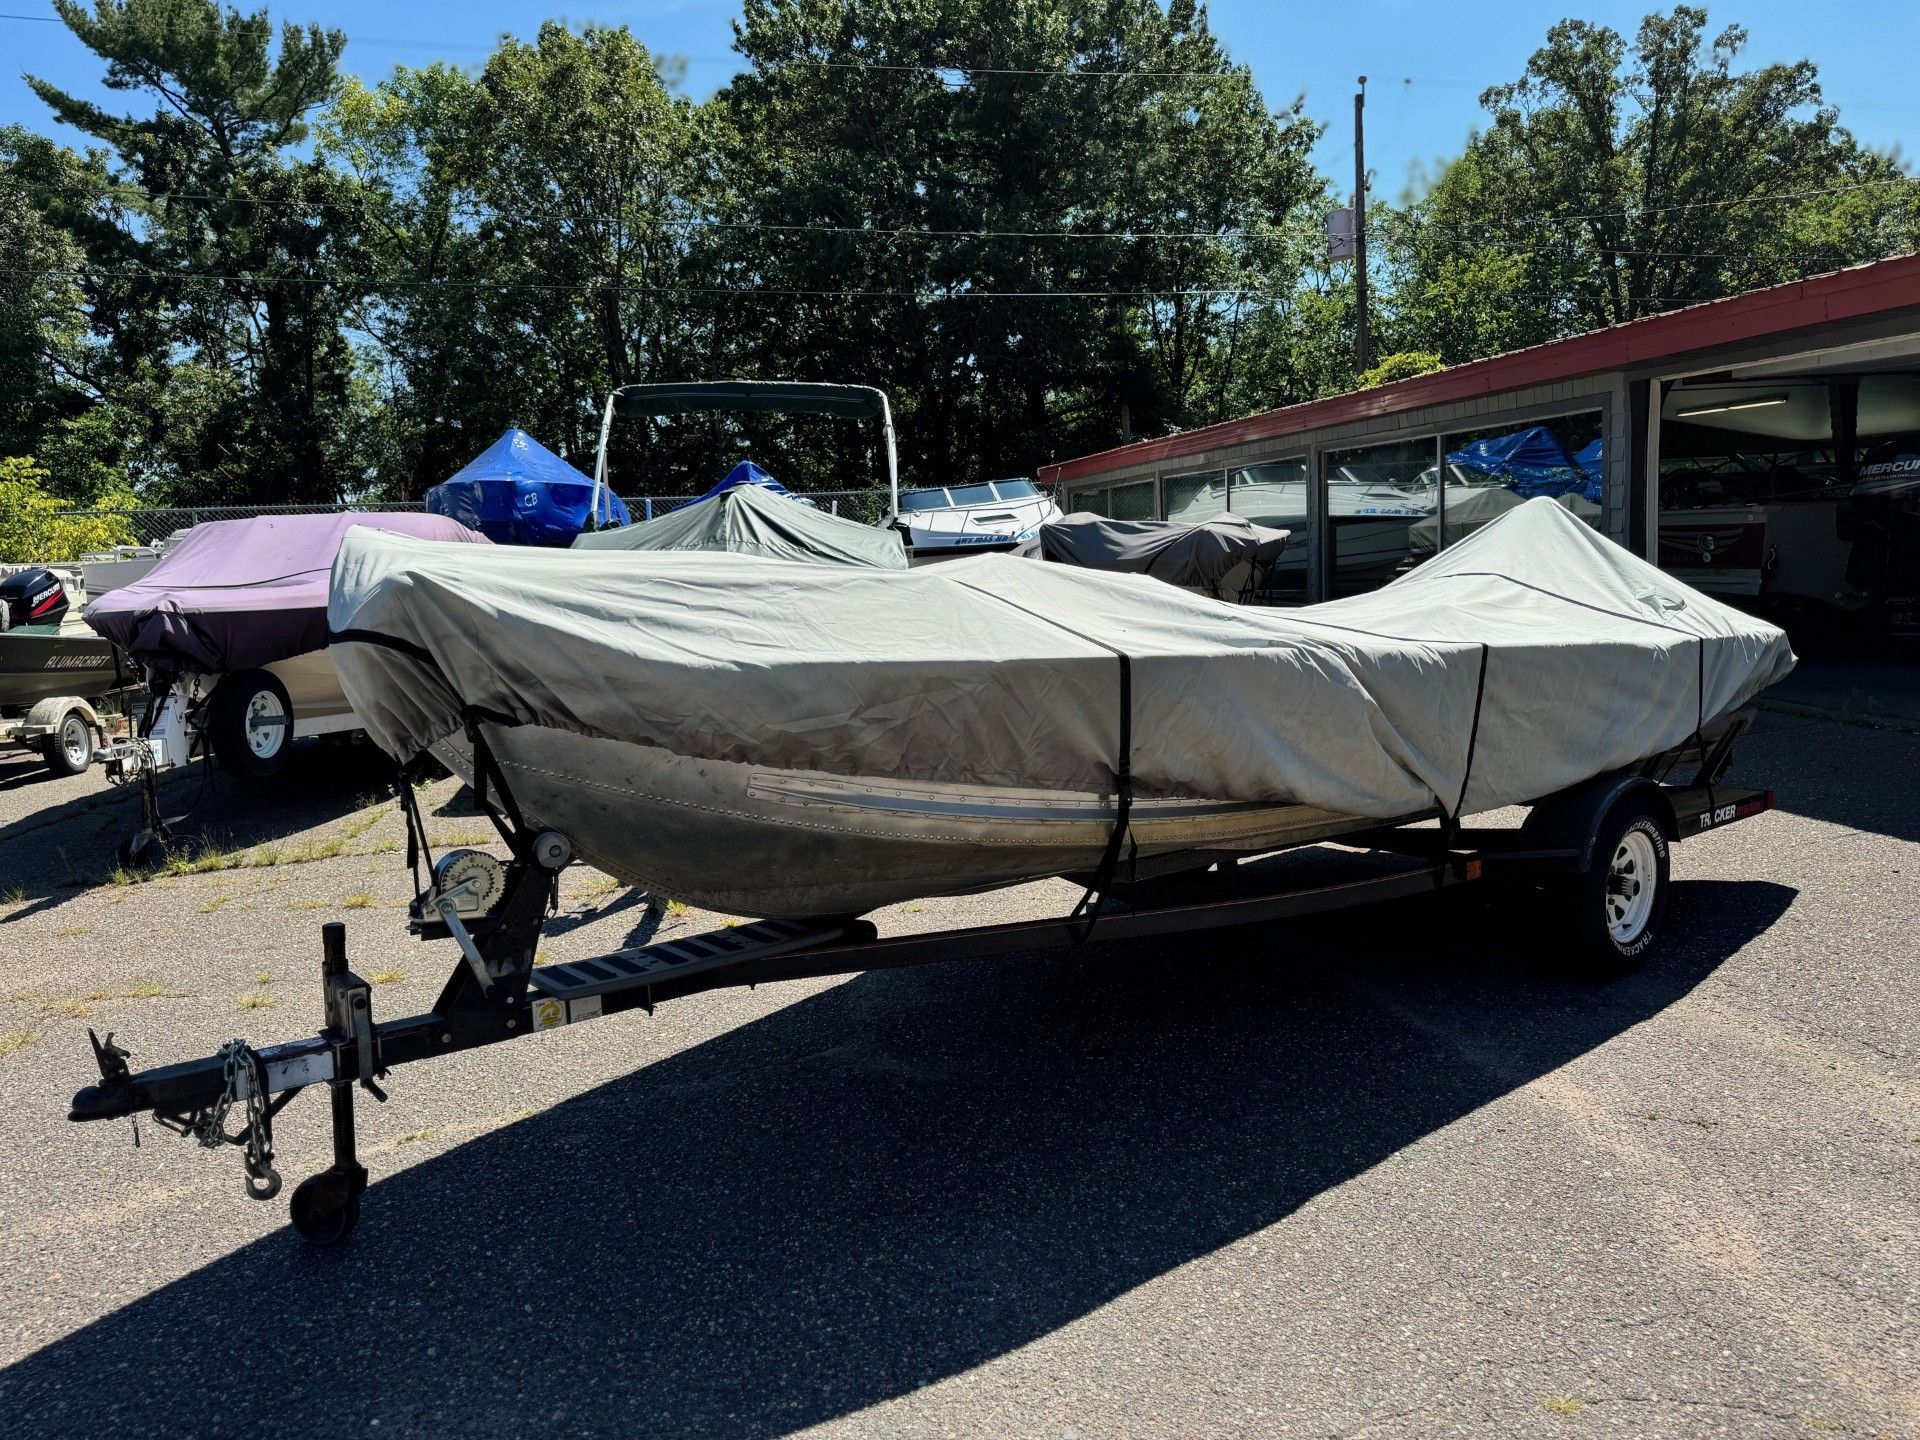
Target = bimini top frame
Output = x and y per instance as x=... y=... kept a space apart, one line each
x=780 y=397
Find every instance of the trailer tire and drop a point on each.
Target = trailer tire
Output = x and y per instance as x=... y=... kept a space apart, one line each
x=250 y=722
x=69 y=750
x=1617 y=903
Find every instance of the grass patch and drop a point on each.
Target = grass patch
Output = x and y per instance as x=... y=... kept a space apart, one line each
x=16 y=896
x=463 y=837
x=153 y=990
x=72 y=932
x=597 y=885
x=386 y=847
x=74 y=1007
x=359 y=900
x=676 y=908
x=265 y=977
x=417 y=1136
x=205 y=860
x=17 y=1040
x=391 y=976
x=257 y=1000
x=212 y=907
x=211 y=858
x=358 y=825
x=1563 y=1405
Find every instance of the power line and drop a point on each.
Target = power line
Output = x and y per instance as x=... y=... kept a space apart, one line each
x=373 y=286
x=1243 y=232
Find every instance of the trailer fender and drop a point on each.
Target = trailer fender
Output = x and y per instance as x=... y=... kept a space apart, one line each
x=48 y=714
x=1569 y=820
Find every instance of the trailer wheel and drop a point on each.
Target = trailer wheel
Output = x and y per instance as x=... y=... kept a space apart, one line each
x=69 y=750
x=1618 y=903
x=250 y=721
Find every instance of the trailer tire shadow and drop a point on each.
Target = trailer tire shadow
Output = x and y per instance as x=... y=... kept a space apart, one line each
x=877 y=1187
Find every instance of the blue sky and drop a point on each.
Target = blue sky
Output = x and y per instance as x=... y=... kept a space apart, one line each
x=1427 y=60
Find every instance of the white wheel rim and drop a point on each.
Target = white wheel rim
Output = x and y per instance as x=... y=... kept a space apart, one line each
x=266 y=725
x=1632 y=878
x=76 y=742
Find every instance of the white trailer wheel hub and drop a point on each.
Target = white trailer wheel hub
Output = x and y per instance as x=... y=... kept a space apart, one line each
x=1632 y=878
x=75 y=741
x=266 y=725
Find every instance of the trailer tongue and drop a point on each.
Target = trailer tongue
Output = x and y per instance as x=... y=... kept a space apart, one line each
x=1602 y=844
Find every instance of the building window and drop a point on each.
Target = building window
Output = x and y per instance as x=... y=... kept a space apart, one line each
x=1087 y=500
x=1274 y=494
x=1375 y=495
x=1131 y=502
x=1195 y=499
x=1491 y=471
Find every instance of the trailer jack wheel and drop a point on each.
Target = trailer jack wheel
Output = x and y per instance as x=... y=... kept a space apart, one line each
x=326 y=1208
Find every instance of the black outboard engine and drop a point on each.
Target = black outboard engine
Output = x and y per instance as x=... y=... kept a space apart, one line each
x=32 y=597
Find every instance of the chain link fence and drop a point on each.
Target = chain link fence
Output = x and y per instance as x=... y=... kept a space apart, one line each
x=151 y=525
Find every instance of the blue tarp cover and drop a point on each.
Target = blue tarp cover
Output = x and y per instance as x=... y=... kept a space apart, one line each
x=1532 y=462
x=747 y=473
x=518 y=492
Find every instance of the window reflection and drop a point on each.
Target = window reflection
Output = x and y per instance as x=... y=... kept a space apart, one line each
x=1375 y=496
x=1274 y=494
x=1195 y=499
x=1489 y=472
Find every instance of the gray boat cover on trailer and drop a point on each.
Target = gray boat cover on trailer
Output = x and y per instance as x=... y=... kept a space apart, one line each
x=1532 y=655
x=751 y=520
x=1198 y=556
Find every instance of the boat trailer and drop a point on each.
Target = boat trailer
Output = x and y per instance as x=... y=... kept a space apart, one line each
x=493 y=910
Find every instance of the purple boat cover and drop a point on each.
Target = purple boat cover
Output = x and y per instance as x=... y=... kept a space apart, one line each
x=236 y=594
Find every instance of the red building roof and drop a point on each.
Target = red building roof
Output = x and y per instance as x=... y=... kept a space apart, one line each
x=1853 y=294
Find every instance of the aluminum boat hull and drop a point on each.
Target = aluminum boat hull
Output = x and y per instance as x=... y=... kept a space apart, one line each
x=756 y=841
x=41 y=661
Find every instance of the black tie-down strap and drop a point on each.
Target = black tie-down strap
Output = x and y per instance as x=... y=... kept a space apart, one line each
x=488 y=774
x=1473 y=741
x=1122 y=806
x=1122 y=832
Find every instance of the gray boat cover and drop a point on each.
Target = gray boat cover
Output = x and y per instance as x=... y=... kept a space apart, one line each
x=1532 y=655
x=752 y=520
x=1198 y=556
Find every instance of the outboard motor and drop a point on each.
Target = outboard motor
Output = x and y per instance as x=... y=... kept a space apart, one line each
x=32 y=597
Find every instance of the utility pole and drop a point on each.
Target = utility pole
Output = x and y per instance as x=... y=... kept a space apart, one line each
x=1360 y=337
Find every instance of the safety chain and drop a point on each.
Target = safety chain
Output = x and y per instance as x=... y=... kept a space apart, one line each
x=210 y=1126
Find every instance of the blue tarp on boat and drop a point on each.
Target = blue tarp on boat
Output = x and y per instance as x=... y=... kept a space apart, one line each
x=747 y=473
x=1533 y=462
x=518 y=492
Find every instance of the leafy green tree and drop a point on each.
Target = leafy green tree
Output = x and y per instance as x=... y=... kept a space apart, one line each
x=34 y=527
x=900 y=172
x=1401 y=365
x=530 y=235
x=1617 y=180
x=220 y=289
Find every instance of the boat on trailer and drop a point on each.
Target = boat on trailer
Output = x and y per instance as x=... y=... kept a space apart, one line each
x=229 y=633
x=1125 y=735
x=54 y=668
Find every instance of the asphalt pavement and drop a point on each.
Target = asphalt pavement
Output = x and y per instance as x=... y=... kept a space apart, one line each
x=1386 y=1173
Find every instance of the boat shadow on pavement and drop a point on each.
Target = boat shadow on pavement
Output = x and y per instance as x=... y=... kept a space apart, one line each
x=874 y=1188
